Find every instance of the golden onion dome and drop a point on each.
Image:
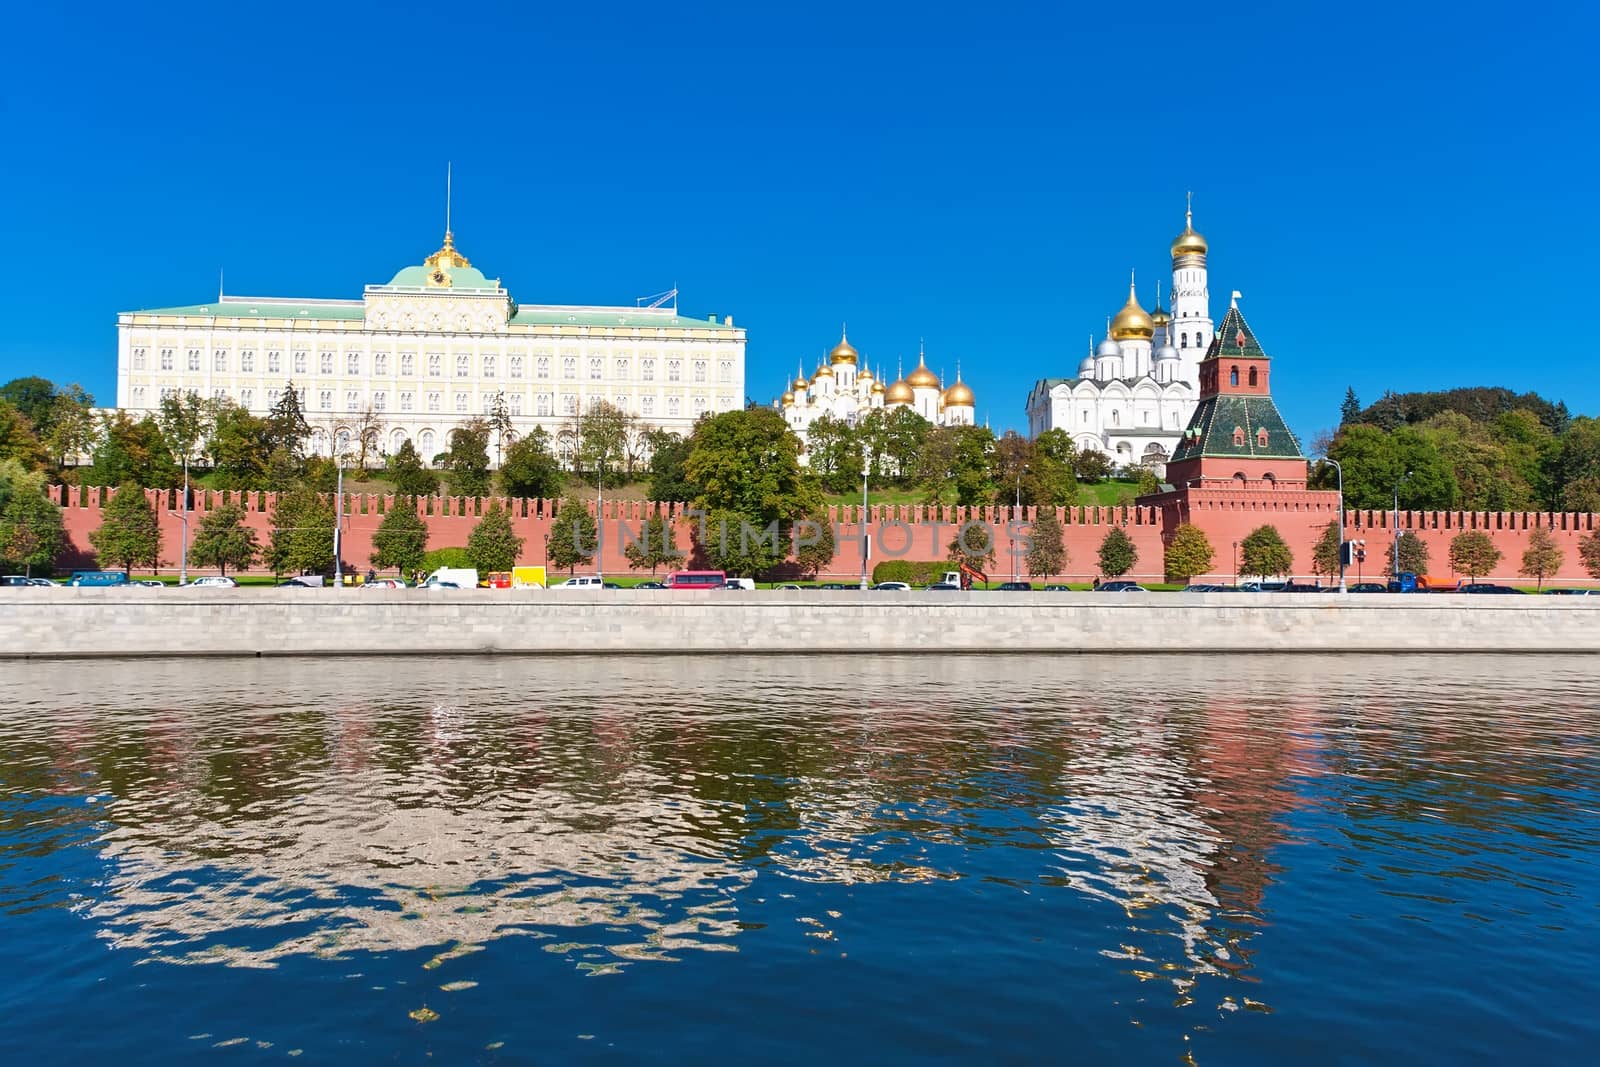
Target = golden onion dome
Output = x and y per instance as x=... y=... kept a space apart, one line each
x=788 y=398
x=1159 y=316
x=959 y=394
x=1188 y=243
x=843 y=352
x=800 y=382
x=823 y=371
x=1132 y=321
x=865 y=375
x=877 y=387
x=899 y=393
x=922 y=377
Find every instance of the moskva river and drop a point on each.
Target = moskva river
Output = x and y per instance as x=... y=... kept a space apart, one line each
x=801 y=860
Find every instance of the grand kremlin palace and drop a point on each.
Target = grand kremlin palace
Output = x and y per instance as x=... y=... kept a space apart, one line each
x=429 y=349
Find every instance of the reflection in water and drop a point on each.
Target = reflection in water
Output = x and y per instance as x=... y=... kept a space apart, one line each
x=619 y=813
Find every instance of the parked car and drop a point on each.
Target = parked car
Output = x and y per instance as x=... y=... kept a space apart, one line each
x=149 y=583
x=1305 y=587
x=833 y=585
x=581 y=581
x=1204 y=587
x=460 y=577
x=739 y=583
x=1121 y=587
x=1487 y=587
x=893 y=587
x=98 y=578
x=385 y=583
x=1016 y=587
x=302 y=581
x=214 y=581
x=45 y=582
x=649 y=585
x=1369 y=587
x=439 y=583
x=610 y=585
x=944 y=585
x=16 y=581
x=1560 y=592
x=1057 y=587
x=788 y=585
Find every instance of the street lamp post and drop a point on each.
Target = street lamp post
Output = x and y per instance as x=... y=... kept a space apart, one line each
x=866 y=464
x=599 y=521
x=183 y=517
x=1397 y=485
x=338 y=523
x=1236 y=563
x=1340 y=471
x=1016 y=516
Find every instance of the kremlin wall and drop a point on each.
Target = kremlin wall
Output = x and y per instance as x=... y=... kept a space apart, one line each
x=1225 y=513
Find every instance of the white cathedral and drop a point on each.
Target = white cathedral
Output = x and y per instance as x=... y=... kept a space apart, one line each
x=842 y=391
x=1133 y=395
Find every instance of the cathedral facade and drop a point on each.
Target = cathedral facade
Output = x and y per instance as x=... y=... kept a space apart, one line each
x=845 y=389
x=1134 y=393
x=436 y=345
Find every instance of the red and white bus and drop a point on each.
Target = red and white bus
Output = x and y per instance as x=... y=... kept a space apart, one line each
x=696 y=580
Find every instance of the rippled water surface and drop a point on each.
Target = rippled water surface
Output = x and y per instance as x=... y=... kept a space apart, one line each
x=1149 y=860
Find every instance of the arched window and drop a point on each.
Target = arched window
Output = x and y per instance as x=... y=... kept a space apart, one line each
x=1261 y=437
x=1238 y=476
x=1233 y=376
x=1238 y=437
x=1116 y=417
x=1185 y=338
x=1253 y=379
x=1272 y=482
x=425 y=445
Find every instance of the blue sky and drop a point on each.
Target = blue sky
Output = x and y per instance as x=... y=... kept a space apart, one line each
x=1403 y=192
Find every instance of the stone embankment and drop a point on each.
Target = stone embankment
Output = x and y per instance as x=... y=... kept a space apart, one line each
x=55 y=623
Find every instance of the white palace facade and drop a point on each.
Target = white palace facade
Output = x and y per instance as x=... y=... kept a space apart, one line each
x=1134 y=393
x=434 y=346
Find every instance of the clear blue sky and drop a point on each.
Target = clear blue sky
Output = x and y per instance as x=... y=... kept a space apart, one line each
x=1405 y=193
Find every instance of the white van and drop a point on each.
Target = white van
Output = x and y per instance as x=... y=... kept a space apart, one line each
x=739 y=583
x=583 y=581
x=460 y=577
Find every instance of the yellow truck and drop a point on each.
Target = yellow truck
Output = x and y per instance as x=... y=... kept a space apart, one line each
x=527 y=578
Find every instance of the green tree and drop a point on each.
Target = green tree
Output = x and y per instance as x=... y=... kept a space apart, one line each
x=132 y=452
x=897 y=435
x=1589 y=553
x=1350 y=410
x=500 y=423
x=302 y=534
x=819 y=550
x=1472 y=553
x=1053 y=480
x=1414 y=556
x=493 y=545
x=602 y=441
x=468 y=459
x=833 y=450
x=1091 y=466
x=1047 y=550
x=1188 y=553
x=1118 y=553
x=1376 y=461
x=18 y=438
x=31 y=533
x=1325 y=553
x=401 y=540
x=34 y=397
x=1264 y=552
x=735 y=542
x=409 y=475
x=183 y=418
x=974 y=545
x=573 y=534
x=956 y=466
x=224 y=541
x=1148 y=483
x=72 y=426
x=747 y=462
x=657 y=545
x=129 y=535
x=1543 y=557
x=668 y=452
x=238 y=446
x=530 y=468
x=286 y=423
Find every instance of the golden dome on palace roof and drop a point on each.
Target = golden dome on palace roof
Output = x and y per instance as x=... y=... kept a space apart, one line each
x=823 y=371
x=960 y=394
x=1159 y=316
x=1188 y=243
x=877 y=387
x=1132 y=321
x=899 y=393
x=922 y=377
x=800 y=382
x=844 y=351
x=865 y=375
x=788 y=398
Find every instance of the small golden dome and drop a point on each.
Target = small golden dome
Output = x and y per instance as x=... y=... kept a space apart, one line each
x=1132 y=321
x=865 y=375
x=800 y=382
x=922 y=377
x=899 y=393
x=823 y=371
x=843 y=352
x=1159 y=316
x=1188 y=243
x=877 y=388
x=788 y=398
x=959 y=394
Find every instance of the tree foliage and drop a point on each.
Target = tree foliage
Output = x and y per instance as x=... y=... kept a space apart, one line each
x=745 y=467
x=819 y=549
x=1589 y=553
x=468 y=459
x=1047 y=549
x=223 y=540
x=1414 y=555
x=1117 y=553
x=1543 y=556
x=668 y=451
x=493 y=544
x=1472 y=553
x=409 y=475
x=956 y=465
x=657 y=545
x=530 y=468
x=1188 y=553
x=730 y=540
x=302 y=534
x=1263 y=551
x=31 y=531
x=129 y=535
x=132 y=452
x=1325 y=553
x=974 y=545
x=573 y=534
x=401 y=540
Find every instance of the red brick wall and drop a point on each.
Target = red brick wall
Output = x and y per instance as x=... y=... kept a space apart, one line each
x=1225 y=516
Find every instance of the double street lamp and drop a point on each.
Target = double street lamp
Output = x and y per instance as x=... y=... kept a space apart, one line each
x=1397 y=485
x=1016 y=516
x=1343 y=544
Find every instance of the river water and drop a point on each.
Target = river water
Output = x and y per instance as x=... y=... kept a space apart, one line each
x=894 y=860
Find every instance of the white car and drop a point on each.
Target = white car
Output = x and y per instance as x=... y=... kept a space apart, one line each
x=583 y=581
x=893 y=587
x=215 y=581
x=385 y=583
